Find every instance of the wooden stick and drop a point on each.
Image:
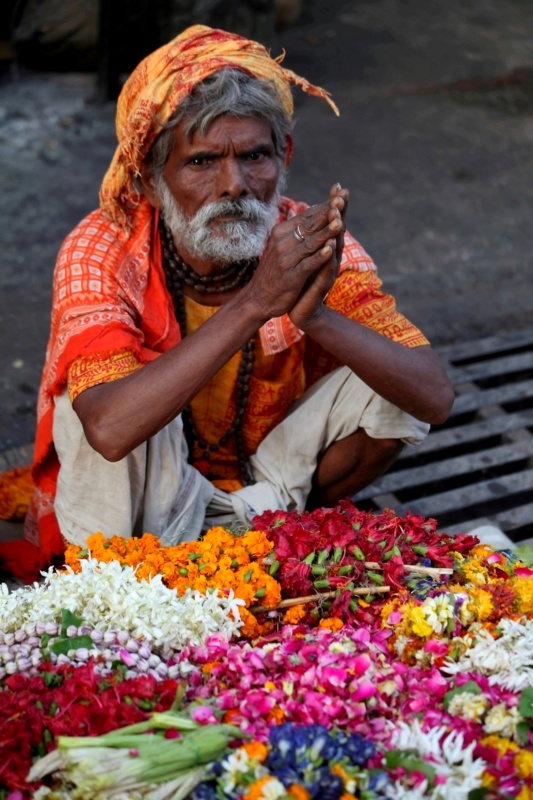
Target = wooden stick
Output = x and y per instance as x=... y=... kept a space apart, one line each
x=435 y=571
x=316 y=598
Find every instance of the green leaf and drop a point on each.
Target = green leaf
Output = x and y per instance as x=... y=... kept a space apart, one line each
x=411 y=762
x=68 y=619
x=52 y=680
x=420 y=549
x=310 y=558
x=62 y=646
x=274 y=568
x=522 y=732
x=470 y=687
x=358 y=553
x=316 y=569
x=247 y=576
x=323 y=555
x=356 y=526
x=45 y=638
x=525 y=706
x=478 y=794
x=376 y=577
x=260 y=593
x=338 y=554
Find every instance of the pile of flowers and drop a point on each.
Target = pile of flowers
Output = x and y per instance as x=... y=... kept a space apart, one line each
x=334 y=654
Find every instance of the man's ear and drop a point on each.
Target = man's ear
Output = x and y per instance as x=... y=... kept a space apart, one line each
x=146 y=185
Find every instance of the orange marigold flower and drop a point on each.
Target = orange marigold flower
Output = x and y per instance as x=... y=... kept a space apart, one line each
x=251 y=627
x=294 y=614
x=257 y=544
x=297 y=792
x=256 y=750
x=255 y=790
x=276 y=716
x=340 y=771
x=332 y=623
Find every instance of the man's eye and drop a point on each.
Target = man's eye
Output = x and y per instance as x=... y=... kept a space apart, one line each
x=199 y=161
x=256 y=155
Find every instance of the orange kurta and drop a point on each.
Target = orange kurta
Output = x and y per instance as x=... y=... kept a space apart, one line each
x=112 y=313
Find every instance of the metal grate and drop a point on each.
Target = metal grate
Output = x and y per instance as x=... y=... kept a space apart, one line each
x=478 y=467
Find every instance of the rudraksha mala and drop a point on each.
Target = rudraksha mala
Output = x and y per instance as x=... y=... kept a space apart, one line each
x=177 y=273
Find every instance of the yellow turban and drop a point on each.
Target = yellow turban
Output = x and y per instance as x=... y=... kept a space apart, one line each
x=162 y=81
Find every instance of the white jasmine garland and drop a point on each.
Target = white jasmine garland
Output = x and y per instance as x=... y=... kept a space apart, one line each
x=108 y=595
x=449 y=757
x=507 y=661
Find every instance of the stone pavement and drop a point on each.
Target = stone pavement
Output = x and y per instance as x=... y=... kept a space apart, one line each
x=440 y=178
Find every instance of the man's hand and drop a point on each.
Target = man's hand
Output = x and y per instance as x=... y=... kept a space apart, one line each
x=289 y=267
x=309 y=305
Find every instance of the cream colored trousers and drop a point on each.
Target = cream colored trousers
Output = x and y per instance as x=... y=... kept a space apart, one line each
x=154 y=489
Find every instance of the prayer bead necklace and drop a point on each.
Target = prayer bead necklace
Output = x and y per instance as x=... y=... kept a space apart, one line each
x=177 y=273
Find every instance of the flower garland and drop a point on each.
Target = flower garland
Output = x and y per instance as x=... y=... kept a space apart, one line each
x=389 y=660
x=220 y=561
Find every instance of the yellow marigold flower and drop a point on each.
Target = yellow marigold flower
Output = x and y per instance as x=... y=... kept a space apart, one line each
x=474 y=572
x=297 y=792
x=347 y=796
x=487 y=780
x=294 y=614
x=500 y=744
x=526 y=793
x=256 y=750
x=416 y=620
x=523 y=588
x=480 y=603
x=270 y=686
x=523 y=761
x=332 y=623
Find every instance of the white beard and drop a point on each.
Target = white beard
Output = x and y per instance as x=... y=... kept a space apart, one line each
x=240 y=240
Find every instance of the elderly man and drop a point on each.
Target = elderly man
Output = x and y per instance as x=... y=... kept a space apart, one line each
x=217 y=349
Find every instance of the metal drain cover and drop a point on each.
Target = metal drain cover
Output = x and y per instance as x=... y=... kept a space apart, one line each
x=477 y=468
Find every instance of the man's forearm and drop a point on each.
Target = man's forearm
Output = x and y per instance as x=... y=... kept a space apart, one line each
x=120 y=415
x=413 y=379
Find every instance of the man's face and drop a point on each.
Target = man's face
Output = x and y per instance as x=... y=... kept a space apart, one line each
x=219 y=190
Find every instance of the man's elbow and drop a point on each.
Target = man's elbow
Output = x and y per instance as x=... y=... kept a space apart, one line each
x=442 y=402
x=102 y=440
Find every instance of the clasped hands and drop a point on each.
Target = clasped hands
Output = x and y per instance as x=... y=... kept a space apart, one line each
x=301 y=261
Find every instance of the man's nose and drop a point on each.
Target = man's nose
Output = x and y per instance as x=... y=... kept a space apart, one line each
x=232 y=179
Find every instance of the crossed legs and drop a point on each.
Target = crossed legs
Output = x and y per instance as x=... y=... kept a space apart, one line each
x=349 y=465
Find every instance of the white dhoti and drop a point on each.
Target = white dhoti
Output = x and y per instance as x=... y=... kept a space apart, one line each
x=154 y=489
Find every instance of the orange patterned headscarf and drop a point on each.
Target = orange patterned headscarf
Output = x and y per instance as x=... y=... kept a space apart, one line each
x=162 y=81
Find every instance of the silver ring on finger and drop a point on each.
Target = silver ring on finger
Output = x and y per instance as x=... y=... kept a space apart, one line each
x=298 y=233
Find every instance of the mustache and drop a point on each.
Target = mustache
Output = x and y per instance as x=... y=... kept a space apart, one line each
x=245 y=209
